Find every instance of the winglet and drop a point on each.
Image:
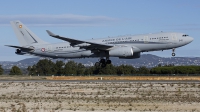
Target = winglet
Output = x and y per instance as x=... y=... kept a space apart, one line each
x=52 y=34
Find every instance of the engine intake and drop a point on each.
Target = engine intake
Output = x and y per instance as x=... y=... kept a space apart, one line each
x=18 y=51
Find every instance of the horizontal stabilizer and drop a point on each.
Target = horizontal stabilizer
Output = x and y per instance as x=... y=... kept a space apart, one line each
x=22 y=48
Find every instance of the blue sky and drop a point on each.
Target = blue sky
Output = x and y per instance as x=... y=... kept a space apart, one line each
x=86 y=19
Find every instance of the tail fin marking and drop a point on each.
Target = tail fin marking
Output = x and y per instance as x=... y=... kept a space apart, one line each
x=24 y=35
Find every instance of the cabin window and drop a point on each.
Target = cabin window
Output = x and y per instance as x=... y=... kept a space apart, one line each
x=185 y=35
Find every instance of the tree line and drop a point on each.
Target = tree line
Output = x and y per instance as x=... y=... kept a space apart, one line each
x=176 y=70
x=71 y=68
x=13 y=71
x=47 y=67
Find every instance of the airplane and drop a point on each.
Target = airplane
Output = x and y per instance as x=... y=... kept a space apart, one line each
x=123 y=47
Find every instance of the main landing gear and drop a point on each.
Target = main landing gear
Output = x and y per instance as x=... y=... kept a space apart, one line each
x=103 y=62
x=173 y=50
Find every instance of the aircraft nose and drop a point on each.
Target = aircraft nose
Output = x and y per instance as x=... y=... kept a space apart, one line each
x=190 y=39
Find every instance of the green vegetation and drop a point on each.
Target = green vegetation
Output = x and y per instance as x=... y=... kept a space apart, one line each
x=47 y=67
x=176 y=70
x=1 y=70
x=15 y=71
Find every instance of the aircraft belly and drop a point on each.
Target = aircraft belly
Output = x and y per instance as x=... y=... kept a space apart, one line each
x=151 y=47
x=75 y=54
x=70 y=55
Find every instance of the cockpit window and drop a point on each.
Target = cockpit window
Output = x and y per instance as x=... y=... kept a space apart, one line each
x=185 y=35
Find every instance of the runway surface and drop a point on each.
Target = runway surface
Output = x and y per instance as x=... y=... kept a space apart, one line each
x=107 y=81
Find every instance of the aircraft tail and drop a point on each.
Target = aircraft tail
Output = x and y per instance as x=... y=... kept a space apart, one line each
x=24 y=35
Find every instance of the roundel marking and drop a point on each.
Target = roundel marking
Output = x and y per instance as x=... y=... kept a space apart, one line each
x=43 y=49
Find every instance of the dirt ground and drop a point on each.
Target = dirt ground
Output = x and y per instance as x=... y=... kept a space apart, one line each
x=26 y=77
x=98 y=96
x=123 y=78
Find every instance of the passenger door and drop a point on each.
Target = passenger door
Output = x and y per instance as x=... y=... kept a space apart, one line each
x=146 y=39
x=174 y=38
x=49 y=48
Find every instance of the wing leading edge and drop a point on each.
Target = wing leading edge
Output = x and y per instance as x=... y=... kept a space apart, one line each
x=22 y=48
x=80 y=43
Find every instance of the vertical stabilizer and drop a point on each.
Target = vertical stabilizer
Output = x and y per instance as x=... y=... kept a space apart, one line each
x=24 y=35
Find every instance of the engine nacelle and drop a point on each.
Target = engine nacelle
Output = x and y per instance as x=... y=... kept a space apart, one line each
x=135 y=55
x=18 y=51
x=121 y=52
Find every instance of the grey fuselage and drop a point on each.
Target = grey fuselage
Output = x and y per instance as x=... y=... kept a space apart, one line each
x=137 y=43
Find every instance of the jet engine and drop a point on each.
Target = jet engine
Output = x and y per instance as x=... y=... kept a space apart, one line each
x=135 y=55
x=121 y=52
x=18 y=51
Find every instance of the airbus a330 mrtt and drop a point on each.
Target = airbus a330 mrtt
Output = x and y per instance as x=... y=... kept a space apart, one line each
x=125 y=47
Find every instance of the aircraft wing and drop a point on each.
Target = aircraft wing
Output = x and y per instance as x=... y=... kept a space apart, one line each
x=25 y=49
x=80 y=43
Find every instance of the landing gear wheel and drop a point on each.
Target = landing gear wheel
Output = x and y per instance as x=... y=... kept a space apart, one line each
x=173 y=54
x=102 y=61
x=97 y=64
x=103 y=65
x=108 y=62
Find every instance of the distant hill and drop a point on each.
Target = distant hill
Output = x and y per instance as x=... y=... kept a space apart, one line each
x=29 y=61
x=147 y=60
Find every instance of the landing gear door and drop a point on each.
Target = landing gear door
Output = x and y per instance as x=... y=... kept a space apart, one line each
x=146 y=39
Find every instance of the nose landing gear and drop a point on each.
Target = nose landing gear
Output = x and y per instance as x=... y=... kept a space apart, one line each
x=173 y=50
